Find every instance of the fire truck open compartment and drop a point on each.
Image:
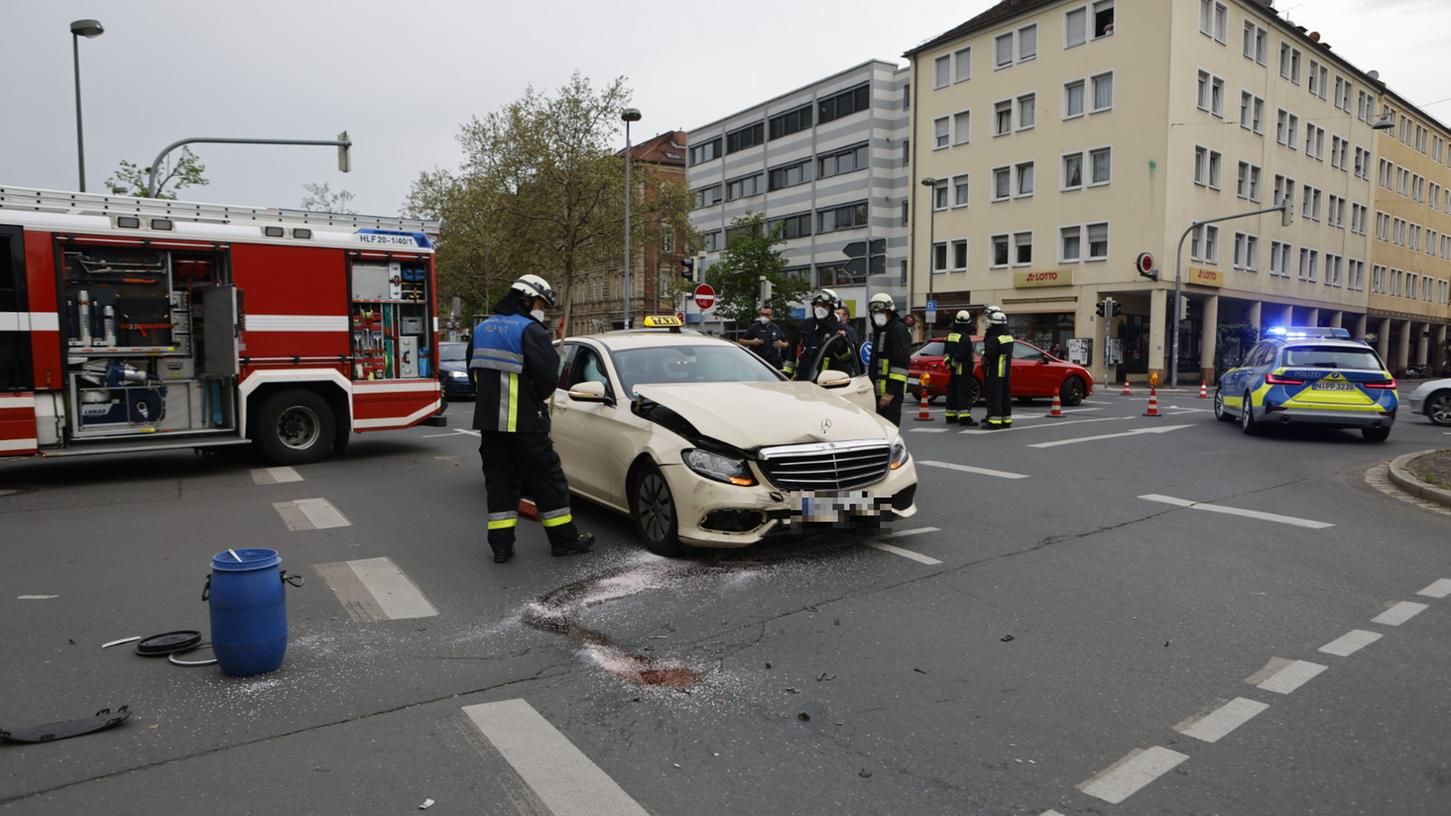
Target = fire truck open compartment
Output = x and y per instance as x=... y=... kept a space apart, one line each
x=149 y=341
x=390 y=320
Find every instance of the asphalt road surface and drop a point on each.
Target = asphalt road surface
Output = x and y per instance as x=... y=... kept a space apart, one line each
x=1104 y=614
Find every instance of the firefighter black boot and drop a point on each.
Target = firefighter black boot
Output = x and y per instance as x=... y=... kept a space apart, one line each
x=581 y=544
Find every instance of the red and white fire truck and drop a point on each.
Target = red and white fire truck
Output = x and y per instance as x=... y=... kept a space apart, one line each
x=130 y=324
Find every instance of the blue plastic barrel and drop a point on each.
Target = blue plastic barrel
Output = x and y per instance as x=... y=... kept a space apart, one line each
x=249 y=610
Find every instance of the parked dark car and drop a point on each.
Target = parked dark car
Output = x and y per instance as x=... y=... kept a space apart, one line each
x=453 y=370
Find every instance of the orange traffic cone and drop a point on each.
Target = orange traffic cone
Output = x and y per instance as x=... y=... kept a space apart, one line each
x=1057 y=410
x=922 y=415
x=1153 y=403
x=1126 y=391
x=1204 y=389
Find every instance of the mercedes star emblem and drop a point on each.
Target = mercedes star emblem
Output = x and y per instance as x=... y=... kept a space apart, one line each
x=825 y=426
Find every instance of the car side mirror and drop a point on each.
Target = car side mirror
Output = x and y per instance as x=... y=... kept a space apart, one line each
x=589 y=391
x=833 y=378
x=1043 y=361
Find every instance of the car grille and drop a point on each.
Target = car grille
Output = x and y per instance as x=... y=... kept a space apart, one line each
x=826 y=466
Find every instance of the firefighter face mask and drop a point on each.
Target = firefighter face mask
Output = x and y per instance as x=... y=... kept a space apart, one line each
x=820 y=312
x=537 y=314
x=880 y=318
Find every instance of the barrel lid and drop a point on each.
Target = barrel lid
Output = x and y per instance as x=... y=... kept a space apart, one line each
x=168 y=642
x=245 y=559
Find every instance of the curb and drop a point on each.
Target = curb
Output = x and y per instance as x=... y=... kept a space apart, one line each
x=1407 y=481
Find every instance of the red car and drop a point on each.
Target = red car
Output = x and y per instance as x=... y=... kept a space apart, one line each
x=1036 y=373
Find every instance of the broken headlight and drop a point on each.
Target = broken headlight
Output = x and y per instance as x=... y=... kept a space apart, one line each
x=718 y=467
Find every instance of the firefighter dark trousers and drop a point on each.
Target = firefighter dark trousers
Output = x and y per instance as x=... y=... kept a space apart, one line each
x=999 y=402
x=515 y=462
x=892 y=413
x=959 y=396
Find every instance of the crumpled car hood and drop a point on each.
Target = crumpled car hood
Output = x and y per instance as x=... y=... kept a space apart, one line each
x=754 y=415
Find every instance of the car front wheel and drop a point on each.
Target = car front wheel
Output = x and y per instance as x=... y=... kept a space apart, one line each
x=1072 y=391
x=1219 y=412
x=653 y=507
x=1247 y=416
x=1438 y=408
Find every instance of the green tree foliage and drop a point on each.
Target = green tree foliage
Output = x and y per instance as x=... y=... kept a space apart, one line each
x=751 y=254
x=321 y=198
x=131 y=179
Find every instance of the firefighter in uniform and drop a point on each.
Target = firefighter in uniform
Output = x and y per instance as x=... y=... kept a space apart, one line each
x=891 y=353
x=514 y=367
x=997 y=366
x=958 y=355
x=815 y=331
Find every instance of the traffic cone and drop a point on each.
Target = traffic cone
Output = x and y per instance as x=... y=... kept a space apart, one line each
x=1126 y=391
x=1057 y=410
x=922 y=415
x=1153 y=403
x=1204 y=389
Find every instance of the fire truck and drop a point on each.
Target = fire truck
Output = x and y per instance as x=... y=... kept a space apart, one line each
x=133 y=324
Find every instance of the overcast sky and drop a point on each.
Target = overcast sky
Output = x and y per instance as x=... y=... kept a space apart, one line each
x=400 y=77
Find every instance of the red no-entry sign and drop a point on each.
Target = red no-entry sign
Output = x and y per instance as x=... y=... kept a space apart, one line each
x=704 y=296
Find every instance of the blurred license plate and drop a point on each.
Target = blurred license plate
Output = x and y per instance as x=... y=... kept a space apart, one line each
x=1334 y=386
x=913 y=381
x=835 y=506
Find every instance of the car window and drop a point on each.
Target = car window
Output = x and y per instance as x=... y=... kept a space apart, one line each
x=1260 y=355
x=566 y=357
x=936 y=348
x=977 y=347
x=1023 y=351
x=452 y=352
x=588 y=367
x=1332 y=357
x=840 y=354
x=690 y=364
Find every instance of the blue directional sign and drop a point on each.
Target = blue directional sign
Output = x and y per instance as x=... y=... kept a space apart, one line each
x=931 y=305
x=866 y=353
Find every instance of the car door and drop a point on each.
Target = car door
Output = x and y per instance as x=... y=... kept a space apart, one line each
x=859 y=392
x=581 y=429
x=1032 y=375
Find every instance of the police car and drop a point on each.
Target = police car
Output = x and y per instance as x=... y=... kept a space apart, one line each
x=1314 y=376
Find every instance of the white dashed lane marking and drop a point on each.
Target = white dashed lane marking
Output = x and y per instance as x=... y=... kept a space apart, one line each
x=1216 y=724
x=35 y=597
x=1000 y=474
x=1284 y=676
x=275 y=475
x=1236 y=511
x=1160 y=430
x=374 y=589
x=563 y=778
x=310 y=514
x=1438 y=589
x=929 y=430
x=1350 y=642
x=1042 y=426
x=1399 y=613
x=1126 y=777
x=912 y=532
x=914 y=556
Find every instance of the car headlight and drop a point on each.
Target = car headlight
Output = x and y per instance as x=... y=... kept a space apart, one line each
x=459 y=375
x=720 y=468
x=899 y=454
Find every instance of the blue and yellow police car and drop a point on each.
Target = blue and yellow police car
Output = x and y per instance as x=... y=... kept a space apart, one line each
x=1315 y=376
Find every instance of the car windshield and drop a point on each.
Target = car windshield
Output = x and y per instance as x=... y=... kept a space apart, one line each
x=932 y=349
x=452 y=352
x=1332 y=357
x=690 y=364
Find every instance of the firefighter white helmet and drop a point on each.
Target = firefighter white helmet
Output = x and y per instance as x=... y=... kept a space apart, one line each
x=962 y=316
x=533 y=286
x=881 y=302
x=996 y=317
x=827 y=296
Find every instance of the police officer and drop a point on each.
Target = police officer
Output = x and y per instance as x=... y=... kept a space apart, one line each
x=997 y=367
x=818 y=327
x=766 y=337
x=891 y=353
x=958 y=355
x=515 y=367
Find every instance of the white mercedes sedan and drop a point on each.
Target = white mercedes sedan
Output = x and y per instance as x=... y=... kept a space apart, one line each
x=703 y=443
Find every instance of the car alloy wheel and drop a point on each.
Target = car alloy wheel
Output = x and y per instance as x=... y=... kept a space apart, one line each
x=1072 y=392
x=1438 y=408
x=655 y=514
x=1247 y=416
x=1219 y=413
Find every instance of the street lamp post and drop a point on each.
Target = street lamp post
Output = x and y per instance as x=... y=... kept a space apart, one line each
x=628 y=115
x=931 y=184
x=79 y=29
x=342 y=143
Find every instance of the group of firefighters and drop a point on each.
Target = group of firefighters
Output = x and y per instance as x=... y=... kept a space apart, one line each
x=514 y=366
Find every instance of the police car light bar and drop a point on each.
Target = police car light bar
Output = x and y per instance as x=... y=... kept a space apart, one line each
x=1309 y=332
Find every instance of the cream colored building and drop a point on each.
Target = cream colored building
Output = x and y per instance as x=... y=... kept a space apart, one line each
x=1410 y=283
x=1069 y=137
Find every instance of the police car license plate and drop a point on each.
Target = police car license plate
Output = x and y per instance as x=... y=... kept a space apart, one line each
x=1334 y=386
x=835 y=506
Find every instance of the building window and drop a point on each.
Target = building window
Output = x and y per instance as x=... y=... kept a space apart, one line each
x=963 y=60
x=1098 y=241
x=1100 y=162
x=792 y=226
x=1311 y=206
x=746 y=137
x=999 y=249
x=706 y=196
x=732 y=233
x=1073 y=99
x=939 y=195
x=1002 y=183
x=1254 y=42
x=1279 y=259
x=790 y=122
x=1072 y=172
x=1319 y=78
x=1003 y=117
x=1102 y=19
x=1286 y=127
x=961 y=127
x=710 y=241
x=1070 y=244
x=1246 y=252
x=789 y=175
x=1102 y=92
x=1022 y=249
x=1284 y=190
x=1211 y=94
x=939 y=257
x=1309 y=259
x=940 y=135
x=847 y=160
x=1003 y=50
x=1027 y=112
x=942 y=71
x=1207 y=167
x=959 y=255
x=1025 y=180
x=1204 y=244
x=843 y=104
x=705 y=151
x=1290 y=63
x=1333 y=264
x=1251 y=112
x=1247 y=183
x=1315 y=142
x=959 y=191
x=1027 y=43
x=1339 y=149
x=1075 y=27
x=850 y=216
x=743 y=187
x=1214 y=20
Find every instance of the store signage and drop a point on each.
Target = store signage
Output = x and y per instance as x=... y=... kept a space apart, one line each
x=1049 y=277
x=1205 y=277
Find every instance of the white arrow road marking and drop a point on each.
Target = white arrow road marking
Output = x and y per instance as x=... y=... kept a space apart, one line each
x=1124 y=778
x=1236 y=511
x=1162 y=430
x=1001 y=474
x=1216 y=724
x=563 y=778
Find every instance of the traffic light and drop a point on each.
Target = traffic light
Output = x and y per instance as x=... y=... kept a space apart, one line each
x=1114 y=307
x=687 y=269
x=1108 y=307
x=1183 y=308
x=1144 y=265
x=1102 y=308
x=1287 y=211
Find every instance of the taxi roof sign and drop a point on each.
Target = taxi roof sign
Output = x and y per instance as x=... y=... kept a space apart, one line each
x=662 y=322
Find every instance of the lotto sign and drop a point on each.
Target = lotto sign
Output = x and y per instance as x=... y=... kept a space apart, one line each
x=704 y=296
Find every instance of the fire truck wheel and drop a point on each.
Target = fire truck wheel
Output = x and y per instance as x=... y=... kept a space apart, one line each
x=295 y=427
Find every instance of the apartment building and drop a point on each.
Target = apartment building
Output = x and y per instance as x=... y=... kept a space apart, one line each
x=827 y=165
x=1410 y=279
x=598 y=303
x=1056 y=140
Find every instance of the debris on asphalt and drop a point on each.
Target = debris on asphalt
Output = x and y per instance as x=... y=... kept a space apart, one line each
x=49 y=732
x=168 y=642
x=676 y=764
x=836 y=621
x=792 y=690
x=864 y=773
x=825 y=677
x=71 y=641
x=206 y=661
x=427 y=803
x=919 y=671
x=768 y=664
x=804 y=717
x=1166 y=644
x=1006 y=638
x=120 y=641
